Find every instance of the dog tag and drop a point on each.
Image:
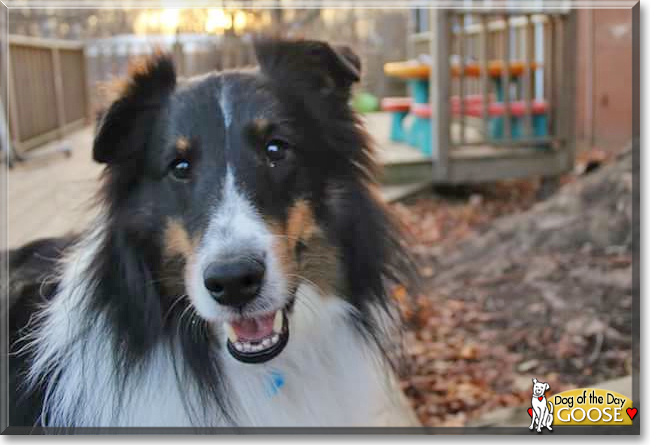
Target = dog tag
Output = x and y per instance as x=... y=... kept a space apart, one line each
x=274 y=383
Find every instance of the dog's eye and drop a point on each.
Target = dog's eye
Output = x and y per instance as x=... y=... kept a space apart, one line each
x=276 y=151
x=180 y=169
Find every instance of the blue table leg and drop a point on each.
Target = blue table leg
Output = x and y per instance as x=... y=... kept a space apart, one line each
x=419 y=135
x=422 y=135
x=419 y=90
x=397 y=131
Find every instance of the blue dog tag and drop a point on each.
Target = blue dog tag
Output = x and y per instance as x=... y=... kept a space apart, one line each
x=275 y=382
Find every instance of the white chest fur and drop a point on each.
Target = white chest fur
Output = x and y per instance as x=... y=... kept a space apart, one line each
x=330 y=375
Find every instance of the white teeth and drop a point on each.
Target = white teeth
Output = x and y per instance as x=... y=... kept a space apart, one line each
x=257 y=345
x=230 y=332
x=278 y=321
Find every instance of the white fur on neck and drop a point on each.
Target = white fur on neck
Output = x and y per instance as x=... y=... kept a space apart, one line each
x=332 y=376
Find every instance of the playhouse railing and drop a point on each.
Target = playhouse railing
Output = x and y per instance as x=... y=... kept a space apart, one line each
x=509 y=78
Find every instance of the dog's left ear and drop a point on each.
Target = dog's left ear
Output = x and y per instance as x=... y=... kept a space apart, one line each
x=547 y=386
x=309 y=64
x=123 y=129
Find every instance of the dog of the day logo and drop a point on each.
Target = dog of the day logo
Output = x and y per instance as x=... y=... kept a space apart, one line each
x=583 y=406
x=542 y=409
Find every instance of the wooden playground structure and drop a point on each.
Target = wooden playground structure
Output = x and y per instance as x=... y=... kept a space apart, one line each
x=491 y=94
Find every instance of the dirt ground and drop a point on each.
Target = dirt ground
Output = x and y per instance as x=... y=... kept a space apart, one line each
x=515 y=288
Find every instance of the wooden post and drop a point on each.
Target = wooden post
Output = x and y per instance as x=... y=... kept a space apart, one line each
x=179 y=56
x=14 y=118
x=505 y=78
x=87 y=88
x=485 y=86
x=58 y=90
x=461 y=74
x=528 y=75
x=411 y=28
x=549 y=73
x=439 y=91
x=559 y=76
x=115 y=70
x=569 y=87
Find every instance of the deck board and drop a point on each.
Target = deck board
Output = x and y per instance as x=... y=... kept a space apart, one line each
x=51 y=196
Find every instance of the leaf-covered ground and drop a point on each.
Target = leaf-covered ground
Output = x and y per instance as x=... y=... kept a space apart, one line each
x=515 y=288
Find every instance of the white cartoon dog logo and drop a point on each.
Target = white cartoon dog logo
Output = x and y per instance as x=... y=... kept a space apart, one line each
x=542 y=409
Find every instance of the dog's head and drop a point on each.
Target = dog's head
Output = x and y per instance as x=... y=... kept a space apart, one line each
x=238 y=187
x=539 y=388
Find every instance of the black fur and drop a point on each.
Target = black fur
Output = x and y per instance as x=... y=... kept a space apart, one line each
x=304 y=88
x=32 y=283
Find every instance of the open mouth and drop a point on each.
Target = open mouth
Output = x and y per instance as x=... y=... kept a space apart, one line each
x=258 y=339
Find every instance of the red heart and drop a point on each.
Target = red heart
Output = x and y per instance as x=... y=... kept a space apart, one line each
x=530 y=412
x=631 y=412
x=540 y=398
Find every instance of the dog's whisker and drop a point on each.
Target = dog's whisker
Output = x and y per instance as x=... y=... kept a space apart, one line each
x=176 y=301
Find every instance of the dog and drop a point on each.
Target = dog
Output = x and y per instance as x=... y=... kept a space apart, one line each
x=236 y=274
x=542 y=409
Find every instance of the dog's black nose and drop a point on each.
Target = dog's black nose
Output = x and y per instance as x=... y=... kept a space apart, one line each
x=234 y=283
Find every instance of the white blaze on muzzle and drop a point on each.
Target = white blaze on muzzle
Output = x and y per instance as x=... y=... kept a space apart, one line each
x=237 y=232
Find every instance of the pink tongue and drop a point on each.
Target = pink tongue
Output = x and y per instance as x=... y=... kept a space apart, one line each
x=254 y=328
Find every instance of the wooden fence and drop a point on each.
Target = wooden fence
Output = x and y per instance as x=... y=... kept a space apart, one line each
x=48 y=94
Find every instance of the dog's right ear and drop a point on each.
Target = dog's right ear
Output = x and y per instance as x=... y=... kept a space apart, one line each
x=309 y=65
x=124 y=128
x=534 y=380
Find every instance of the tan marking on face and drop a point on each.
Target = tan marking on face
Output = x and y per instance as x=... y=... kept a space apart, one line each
x=301 y=224
x=304 y=251
x=260 y=127
x=178 y=256
x=182 y=144
x=177 y=240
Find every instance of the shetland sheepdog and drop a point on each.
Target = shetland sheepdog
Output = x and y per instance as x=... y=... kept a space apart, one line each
x=237 y=271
